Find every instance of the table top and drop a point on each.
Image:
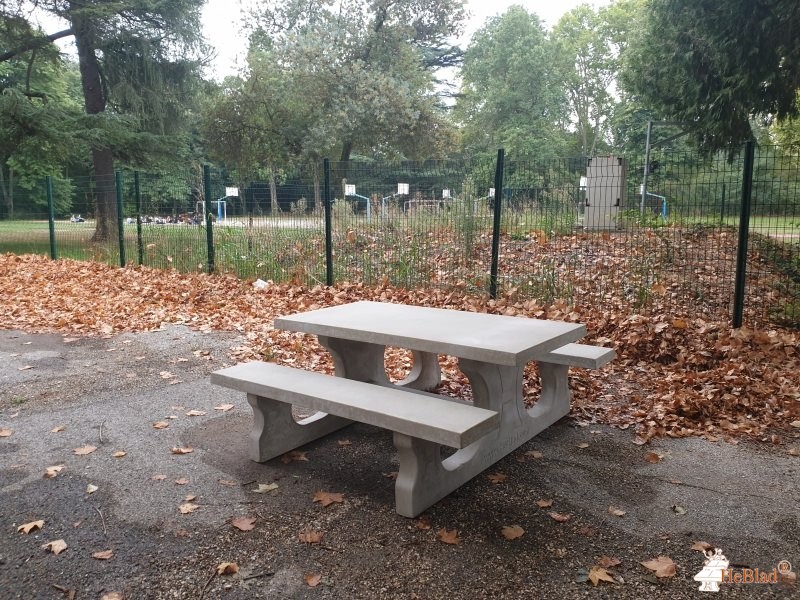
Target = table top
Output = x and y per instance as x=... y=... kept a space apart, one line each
x=495 y=339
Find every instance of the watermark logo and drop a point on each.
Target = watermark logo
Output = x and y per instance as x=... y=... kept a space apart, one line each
x=716 y=571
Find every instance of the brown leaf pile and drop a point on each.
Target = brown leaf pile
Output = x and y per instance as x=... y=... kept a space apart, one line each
x=676 y=373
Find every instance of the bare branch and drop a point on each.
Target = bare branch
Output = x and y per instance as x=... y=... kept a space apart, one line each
x=35 y=43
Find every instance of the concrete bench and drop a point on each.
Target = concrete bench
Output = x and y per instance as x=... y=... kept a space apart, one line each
x=579 y=355
x=418 y=420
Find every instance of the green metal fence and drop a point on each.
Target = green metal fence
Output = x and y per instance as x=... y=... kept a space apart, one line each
x=704 y=233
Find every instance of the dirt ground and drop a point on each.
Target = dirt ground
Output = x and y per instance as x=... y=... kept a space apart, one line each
x=108 y=393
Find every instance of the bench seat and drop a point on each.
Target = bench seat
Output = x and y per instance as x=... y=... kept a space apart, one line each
x=579 y=355
x=422 y=416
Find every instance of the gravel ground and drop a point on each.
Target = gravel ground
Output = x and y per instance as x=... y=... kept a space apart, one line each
x=108 y=392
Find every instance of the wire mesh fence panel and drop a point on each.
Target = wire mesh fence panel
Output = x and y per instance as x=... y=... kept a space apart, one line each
x=24 y=219
x=412 y=224
x=773 y=276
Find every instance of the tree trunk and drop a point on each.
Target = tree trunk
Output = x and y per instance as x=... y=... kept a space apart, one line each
x=95 y=103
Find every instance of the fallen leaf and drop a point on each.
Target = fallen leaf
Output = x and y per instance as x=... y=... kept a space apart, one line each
x=608 y=561
x=181 y=481
x=166 y=375
x=25 y=368
x=653 y=457
x=701 y=546
x=582 y=445
x=544 y=503
x=112 y=596
x=158 y=477
x=160 y=425
x=534 y=454
x=91 y=488
x=103 y=555
x=640 y=441
x=424 y=523
x=292 y=456
x=662 y=566
x=190 y=498
x=678 y=510
x=560 y=517
x=187 y=508
x=178 y=450
x=84 y=450
x=263 y=488
x=28 y=527
x=227 y=482
x=224 y=407
x=51 y=472
x=6 y=432
x=119 y=454
x=512 y=532
x=327 y=498
x=795 y=424
x=344 y=442
x=497 y=477
x=57 y=429
x=310 y=536
x=227 y=568
x=617 y=512
x=598 y=574
x=56 y=546
x=793 y=452
x=391 y=475
x=195 y=413
x=312 y=580
x=448 y=537
x=244 y=523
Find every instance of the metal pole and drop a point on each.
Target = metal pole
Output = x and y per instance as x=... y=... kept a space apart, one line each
x=326 y=199
x=120 y=226
x=138 y=194
x=744 y=233
x=51 y=216
x=646 y=165
x=498 y=202
x=209 y=226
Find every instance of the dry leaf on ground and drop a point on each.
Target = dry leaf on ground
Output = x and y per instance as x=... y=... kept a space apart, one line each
x=313 y=579
x=119 y=454
x=103 y=555
x=195 y=413
x=448 y=536
x=344 y=442
x=244 y=523
x=56 y=546
x=160 y=424
x=187 y=508
x=424 y=523
x=310 y=536
x=617 y=512
x=497 y=477
x=57 y=429
x=512 y=532
x=91 y=488
x=51 y=472
x=653 y=457
x=292 y=456
x=701 y=546
x=224 y=407
x=560 y=517
x=598 y=574
x=263 y=488
x=158 y=477
x=227 y=568
x=662 y=566
x=327 y=498
x=33 y=525
x=544 y=503
x=582 y=445
x=179 y=450
x=181 y=481
x=112 y=596
x=608 y=561
x=84 y=450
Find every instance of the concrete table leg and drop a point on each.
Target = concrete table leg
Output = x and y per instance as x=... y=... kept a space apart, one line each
x=275 y=431
x=424 y=478
x=363 y=361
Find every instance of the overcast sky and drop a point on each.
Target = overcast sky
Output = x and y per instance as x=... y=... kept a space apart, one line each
x=222 y=23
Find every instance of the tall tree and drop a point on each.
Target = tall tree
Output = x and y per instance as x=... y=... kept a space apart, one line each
x=509 y=95
x=133 y=57
x=718 y=65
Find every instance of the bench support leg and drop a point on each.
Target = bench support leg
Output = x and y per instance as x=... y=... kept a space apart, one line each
x=363 y=361
x=424 y=478
x=275 y=431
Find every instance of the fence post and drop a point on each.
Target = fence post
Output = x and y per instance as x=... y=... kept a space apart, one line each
x=498 y=202
x=209 y=226
x=120 y=220
x=744 y=233
x=51 y=216
x=138 y=195
x=326 y=199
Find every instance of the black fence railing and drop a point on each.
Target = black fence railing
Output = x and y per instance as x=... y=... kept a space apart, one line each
x=582 y=230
